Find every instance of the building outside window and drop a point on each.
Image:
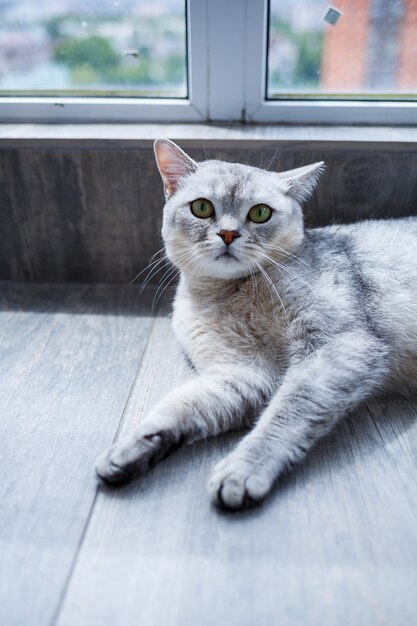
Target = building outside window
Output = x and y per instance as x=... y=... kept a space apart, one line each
x=370 y=52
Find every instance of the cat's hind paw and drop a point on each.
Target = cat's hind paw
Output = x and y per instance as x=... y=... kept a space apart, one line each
x=236 y=484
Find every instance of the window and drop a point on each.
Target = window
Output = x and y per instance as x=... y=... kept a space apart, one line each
x=196 y=60
x=114 y=47
x=365 y=50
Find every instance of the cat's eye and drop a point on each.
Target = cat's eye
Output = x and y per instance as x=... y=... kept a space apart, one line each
x=202 y=208
x=259 y=213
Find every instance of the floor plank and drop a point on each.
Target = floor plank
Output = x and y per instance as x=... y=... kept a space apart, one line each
x=336 y=544
x=68 y=359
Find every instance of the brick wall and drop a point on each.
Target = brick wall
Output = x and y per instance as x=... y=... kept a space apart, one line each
x=407 y=70
x=345 y=49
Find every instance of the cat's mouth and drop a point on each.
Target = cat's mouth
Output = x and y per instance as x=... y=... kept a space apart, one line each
x=226 y=255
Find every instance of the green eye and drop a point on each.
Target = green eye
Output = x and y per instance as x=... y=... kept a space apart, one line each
x=259 y=213
x=202 y=208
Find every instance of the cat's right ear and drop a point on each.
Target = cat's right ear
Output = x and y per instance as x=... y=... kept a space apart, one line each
x=173 y=164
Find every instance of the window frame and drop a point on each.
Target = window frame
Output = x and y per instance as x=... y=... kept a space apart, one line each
x=298 y=111
x=221 y=87
x=56 y=109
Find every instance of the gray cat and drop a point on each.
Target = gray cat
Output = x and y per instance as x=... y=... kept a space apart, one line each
x=288 y=328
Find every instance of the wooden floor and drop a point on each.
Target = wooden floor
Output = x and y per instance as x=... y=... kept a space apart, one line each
x=336 y=544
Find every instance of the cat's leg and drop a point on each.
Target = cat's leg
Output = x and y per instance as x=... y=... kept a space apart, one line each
x=224 y=398
x=315 y=393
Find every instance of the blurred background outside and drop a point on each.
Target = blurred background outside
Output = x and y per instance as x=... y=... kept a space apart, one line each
x=121 y=47
x=371 y=51
x=138 y=48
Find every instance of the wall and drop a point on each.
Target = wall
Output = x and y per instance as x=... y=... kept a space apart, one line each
x=94 y=214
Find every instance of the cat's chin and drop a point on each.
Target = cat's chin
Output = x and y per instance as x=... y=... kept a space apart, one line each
x=225 y=268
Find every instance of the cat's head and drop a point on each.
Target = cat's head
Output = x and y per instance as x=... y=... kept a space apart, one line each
x=224 y=220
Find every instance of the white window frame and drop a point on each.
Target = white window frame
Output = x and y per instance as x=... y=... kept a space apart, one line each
x=258 y=109
x=225 y=84
x=59 y=109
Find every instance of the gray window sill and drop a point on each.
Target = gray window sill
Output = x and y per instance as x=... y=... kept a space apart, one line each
x=196 y=135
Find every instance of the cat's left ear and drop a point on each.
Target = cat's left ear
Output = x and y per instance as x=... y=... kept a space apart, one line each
x=173 y=164
x=301 y=182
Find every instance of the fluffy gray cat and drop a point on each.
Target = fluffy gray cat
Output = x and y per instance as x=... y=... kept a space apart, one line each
x=287 y=328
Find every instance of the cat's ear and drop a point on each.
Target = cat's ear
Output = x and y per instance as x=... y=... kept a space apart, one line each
x=173 y=164
x=301 y=182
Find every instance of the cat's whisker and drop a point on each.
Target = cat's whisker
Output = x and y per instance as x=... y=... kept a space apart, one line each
x=285 y=252
x=172 y=275
x=157 y=252
x=282 y=266
x=267 y=282
x=255 y=272
x=294 y=274
x=196 y=263
x=184 y=256
x=180 y=259
x=197 y=267
x=154 y=273
x=287 y=257
x=157 y=267
x=150 y=263
x=271 y=284
x=254 y=285
x=157 y=297
x=168 y=277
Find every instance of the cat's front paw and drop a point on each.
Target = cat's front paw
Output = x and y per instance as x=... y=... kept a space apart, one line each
x=238 y=484
x=135 y=456
x=111 y=468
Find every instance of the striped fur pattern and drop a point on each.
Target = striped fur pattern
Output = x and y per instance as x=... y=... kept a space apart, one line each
x=288 y=329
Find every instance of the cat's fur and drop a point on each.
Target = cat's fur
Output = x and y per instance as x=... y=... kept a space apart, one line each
x=298 y=331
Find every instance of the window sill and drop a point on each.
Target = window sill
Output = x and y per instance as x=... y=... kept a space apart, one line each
x=198 y=135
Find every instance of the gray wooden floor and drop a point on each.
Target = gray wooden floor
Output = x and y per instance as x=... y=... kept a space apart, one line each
x=335 y=545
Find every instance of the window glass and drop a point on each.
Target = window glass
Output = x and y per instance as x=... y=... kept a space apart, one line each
x=93 y=47
x=363 y=49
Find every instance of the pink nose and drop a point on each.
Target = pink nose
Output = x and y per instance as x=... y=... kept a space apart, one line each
x=228 y=236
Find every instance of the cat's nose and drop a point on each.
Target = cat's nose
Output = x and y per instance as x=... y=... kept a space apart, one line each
x=228 y=236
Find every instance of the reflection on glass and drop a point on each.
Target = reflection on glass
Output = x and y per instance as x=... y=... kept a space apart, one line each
x=103 y=47
x=370 y=52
